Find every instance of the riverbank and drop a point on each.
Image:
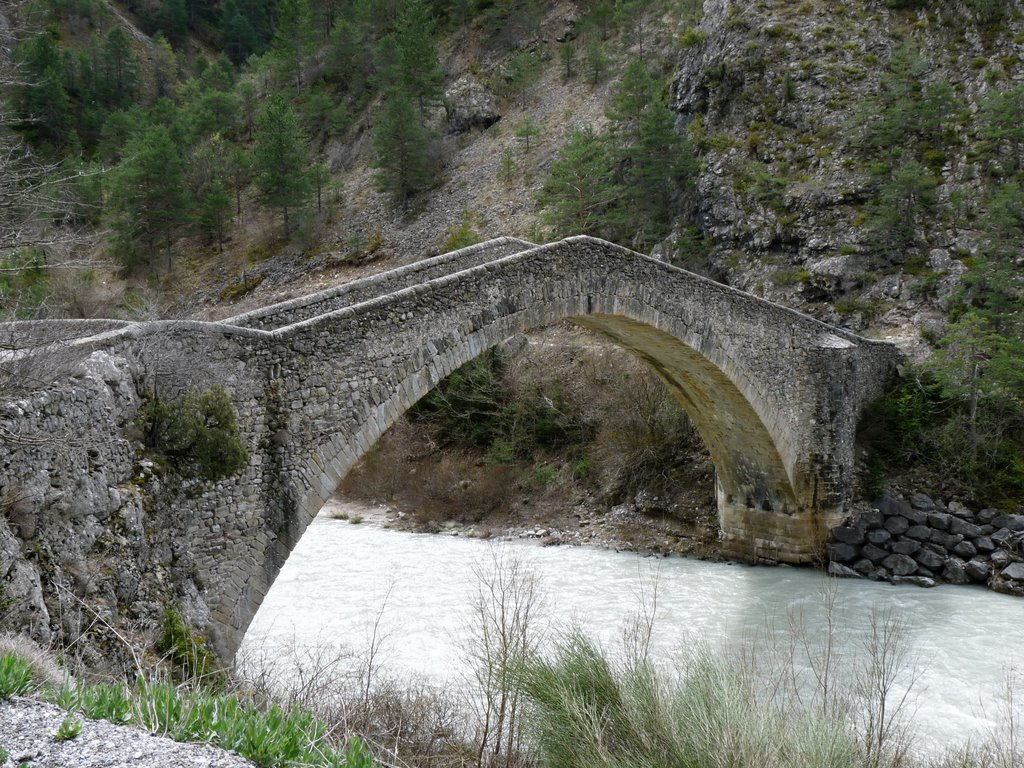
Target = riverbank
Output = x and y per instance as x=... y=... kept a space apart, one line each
x=623 y=528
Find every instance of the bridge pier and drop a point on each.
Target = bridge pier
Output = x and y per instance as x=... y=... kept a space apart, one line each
x=756 y=534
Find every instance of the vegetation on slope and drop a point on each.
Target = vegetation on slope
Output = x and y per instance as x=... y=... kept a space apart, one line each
x=849 y=162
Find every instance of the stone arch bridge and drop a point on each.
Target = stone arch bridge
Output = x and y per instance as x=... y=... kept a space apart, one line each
x=316 y=381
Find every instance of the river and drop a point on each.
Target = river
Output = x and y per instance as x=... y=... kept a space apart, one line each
x=342 y=579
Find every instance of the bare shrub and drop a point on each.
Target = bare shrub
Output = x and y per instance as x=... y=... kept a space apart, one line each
x=505 y=633
x=407 y=469
x=34 y=354
x=407 y=721
x=884 y=689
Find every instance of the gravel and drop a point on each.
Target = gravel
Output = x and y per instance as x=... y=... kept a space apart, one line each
x=27 y=728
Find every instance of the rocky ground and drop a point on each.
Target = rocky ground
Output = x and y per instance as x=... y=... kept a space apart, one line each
x=28 y=728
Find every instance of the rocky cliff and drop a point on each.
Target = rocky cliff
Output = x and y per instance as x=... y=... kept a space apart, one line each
x=793 y=106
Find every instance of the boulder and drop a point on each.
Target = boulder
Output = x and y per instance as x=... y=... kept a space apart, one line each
x=905 y=547
x=920 y=532
x=1000 y=559
x=470 y=105
x=930 y=559
x=890 y=506
x=896 y=525
x=863 y=566
x=915 y=516
x=917 y=581
x=945 y=540
x=1006 y=586
x=872 y=519
x=960 y=510
x=965 y=550
x=899 y=565
x=1002 y=536
x=879 y=536
x=940 y=520
x=842 y=553
x=842 y=572
x=978 y=570
x=879 y=574
x=984 y=544
x=922 y=502
x=987 y=515
x=955 y=571
x=964 y=528
x=848 y=534
x=872 y=553
x=1014 y=523
x=1014 y=572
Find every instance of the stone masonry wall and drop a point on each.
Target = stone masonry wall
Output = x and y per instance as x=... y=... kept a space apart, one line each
x=357 y=291
x=313 y=396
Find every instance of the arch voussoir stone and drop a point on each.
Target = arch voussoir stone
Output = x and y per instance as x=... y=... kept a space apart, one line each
x=317 y=381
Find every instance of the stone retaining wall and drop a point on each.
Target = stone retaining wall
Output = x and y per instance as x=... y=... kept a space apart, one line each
x=926 y=542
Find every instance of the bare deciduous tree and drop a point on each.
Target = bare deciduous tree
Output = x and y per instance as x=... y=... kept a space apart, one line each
x=505 y=633
x=37 y=201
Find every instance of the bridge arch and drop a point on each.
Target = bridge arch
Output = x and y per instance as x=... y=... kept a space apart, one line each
x=318 y=380
x=775 y=394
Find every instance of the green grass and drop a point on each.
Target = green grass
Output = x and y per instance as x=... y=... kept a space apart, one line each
x=272 y=736
x=68 y=729
x=15 y=676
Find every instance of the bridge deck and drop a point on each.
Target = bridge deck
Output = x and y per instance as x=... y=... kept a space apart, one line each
x=364 y=289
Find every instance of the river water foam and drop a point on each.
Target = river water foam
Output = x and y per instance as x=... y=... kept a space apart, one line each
x=332 y=588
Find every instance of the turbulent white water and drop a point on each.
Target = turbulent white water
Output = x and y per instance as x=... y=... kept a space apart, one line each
x=331 y=590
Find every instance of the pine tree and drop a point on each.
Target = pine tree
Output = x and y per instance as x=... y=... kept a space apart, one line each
x=172 y=20
x=239 y=37
x=902 y=201
x=405 y=162
x=119 y=69
x=280 y=158
x=655 y=164
x=293 y=40
x=526 y=131
x=148 y=192
x=418 y=71
x=1003 y=124
x=165 y=67
x=979 y=365
x=43 y=103
x=581 y=193
x=239 y=174
x=320 y=175
x=638 y=89
x=215 y=213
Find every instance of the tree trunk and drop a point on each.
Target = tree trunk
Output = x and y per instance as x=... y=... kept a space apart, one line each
x=972 y=414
